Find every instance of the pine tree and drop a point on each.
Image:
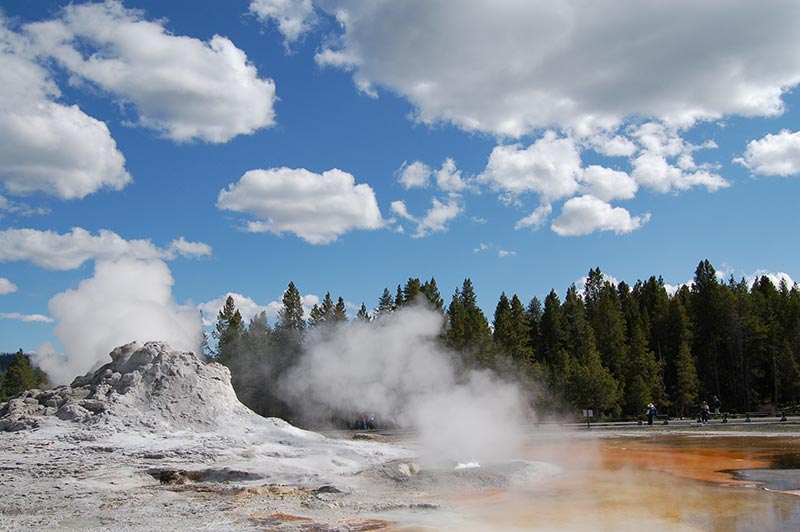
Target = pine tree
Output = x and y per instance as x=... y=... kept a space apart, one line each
x=502 y=324
x=290 y=315
x=431 y=292
x=468 y=329
x=534 y=313
x=228 y=332
x=339 y=314
x=399 y=300
x=20 y=376
x=520 y=345
x=385 y=303
x=683 y=370
x=411 y=290
x=363 y=315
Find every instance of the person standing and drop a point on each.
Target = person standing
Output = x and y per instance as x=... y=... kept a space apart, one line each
x=716 y=404
x=651 y=413
x=704 y=411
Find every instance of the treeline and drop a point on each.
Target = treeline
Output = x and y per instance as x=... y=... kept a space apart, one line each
x=612 y=348
x=17 y=374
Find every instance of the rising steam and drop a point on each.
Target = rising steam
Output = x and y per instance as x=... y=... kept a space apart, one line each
x=125 y=300
x=398 y=368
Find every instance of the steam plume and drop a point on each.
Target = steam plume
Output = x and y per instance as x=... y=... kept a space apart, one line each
x=125 y=300
x=397 y=368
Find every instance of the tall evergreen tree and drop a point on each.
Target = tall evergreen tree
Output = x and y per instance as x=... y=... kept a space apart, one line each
x=385 y=303
x=19 y=376
x=411 y=290
x=535 y=312
x=228 y=332
x=468 y=328
x=363 y=314
x=339 y=314
x=682 y=369
x=290 y=315
x=431 y=292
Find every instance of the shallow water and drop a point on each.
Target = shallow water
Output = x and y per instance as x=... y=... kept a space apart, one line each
x=656 y=482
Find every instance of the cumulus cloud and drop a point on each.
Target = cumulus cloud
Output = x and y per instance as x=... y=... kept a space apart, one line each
x=448 y=177
x=7 y=287
x=586 y=214
x=414 y=175
x=125 y=300
x=47 y=146
x=525 y=65
x=773 y=154
x=775 y=277
x=506 y=253
x=318 y=208
x=536 y=219
x=248 y=307
x=28 y=318
x=666 y=162
x=435 y=219
x=607 y=184
x=67 y=251
x=180 y=86
x=20 y=208
x=551 y=167
x=293 y=17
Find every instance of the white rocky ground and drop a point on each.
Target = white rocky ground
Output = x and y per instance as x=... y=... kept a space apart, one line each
x=156 y=440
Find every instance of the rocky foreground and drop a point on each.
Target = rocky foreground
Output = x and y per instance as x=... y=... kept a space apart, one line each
x=156 y=439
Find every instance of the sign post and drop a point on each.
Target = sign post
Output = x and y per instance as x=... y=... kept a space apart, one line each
x=588 y=415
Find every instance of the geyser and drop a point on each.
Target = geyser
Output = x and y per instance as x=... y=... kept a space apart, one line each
x=398 y=368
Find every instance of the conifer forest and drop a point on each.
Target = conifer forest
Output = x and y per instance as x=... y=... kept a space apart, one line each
x=612 y=348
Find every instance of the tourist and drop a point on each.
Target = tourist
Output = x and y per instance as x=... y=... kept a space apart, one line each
x=716 y=404
x=704 y=411
x=651 y=413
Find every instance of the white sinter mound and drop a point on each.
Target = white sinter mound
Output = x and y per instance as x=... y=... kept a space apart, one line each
x=145 y=386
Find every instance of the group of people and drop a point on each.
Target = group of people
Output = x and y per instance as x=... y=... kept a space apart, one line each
x=705 y=411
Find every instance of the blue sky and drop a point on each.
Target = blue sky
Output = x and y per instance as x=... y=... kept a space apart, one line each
x=347 y=146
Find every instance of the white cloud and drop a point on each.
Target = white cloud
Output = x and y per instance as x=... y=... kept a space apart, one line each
x=248 y=308
x=616 y=146
x=293 y=17
x=504 y=253
x=125 y=300
x=47 y=146
x=773 y=154
x=318 y=208
x=607 y=184
x=481 y=248
x=68 y=251
x=22 y=209
x=448 y=177
x=536 y=219
x=414 y=175
x=586 y=214
x=435 y=219
x=399 y=208
x=580 y=284
x=180 y=86
x=27 y=318
x=550 y=167
x=775 y=277
x=186 y=249
x=525 y=64
x=666 y=162
x=7 y=287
